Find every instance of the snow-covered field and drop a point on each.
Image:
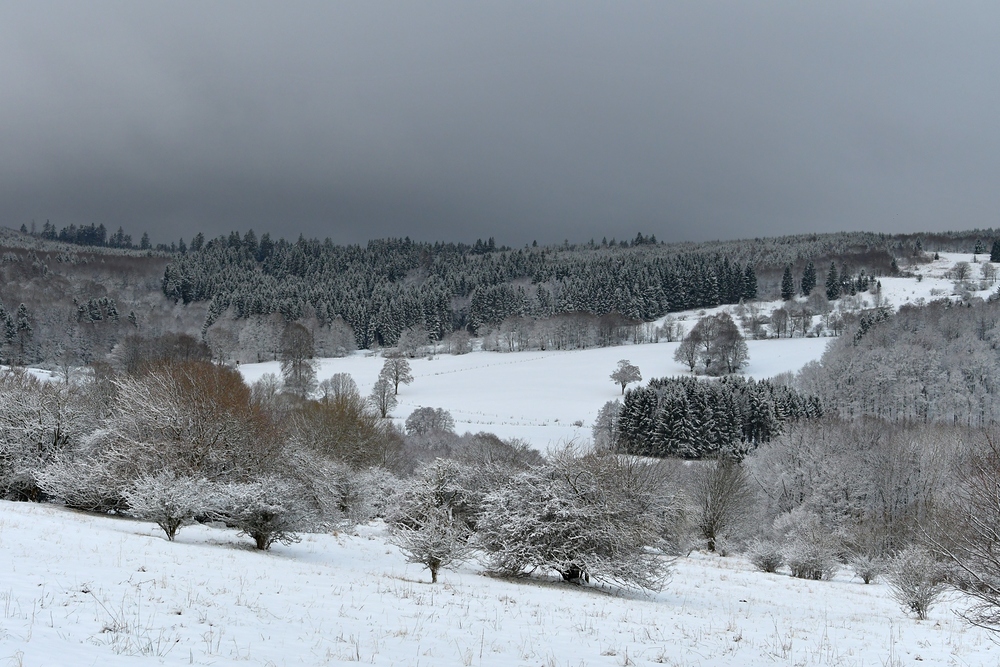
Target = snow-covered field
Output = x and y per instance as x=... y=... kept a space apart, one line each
x=78 y=589
x=537 y=396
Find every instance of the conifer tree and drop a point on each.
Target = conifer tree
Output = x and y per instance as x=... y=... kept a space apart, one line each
x=787 y=284
x=808 y=279
x=832 y=283
x=749 y=284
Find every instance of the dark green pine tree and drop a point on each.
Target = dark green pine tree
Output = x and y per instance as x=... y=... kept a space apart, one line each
x=832 y=283
x=749 y=284
x=808 y=279
x=787 y=284
x=995 y=252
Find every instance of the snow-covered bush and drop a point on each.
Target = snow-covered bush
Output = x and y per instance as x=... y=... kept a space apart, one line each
x=428 y=519
x=268 y=510
x=916 y=580
x=38 y=422
x=171 y=501
x=809 y=549
x=867 y=567
x=600 y=516
x=84 y=481
x=765 y=555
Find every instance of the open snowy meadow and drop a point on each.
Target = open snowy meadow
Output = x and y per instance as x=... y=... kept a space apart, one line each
x=546 y=398
x=77 y=589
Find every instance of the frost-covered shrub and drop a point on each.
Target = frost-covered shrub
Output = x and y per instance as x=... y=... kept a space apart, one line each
x=600 y=516
x=268 y=510
x=427 y=520
x=765 y=555
x=171 y=501
x=809 y=559
x=38 y=422
x=84 y=482
x=916 y=580
x=867 y=567
x=809 y=549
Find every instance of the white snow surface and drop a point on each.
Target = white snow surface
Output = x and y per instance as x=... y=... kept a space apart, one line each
x=79 y=589
x=537 y=396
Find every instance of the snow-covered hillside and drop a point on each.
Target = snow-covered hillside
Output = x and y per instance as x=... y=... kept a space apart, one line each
x=93 y=590
x=551 y=397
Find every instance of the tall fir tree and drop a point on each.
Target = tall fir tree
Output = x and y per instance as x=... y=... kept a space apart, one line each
x=832 y=283
x=995 y=252
x=787 y=284
x=808 y=279
x=749 y=284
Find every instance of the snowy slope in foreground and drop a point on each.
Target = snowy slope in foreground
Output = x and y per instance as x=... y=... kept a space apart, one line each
x=85 y=590
x=538 y=396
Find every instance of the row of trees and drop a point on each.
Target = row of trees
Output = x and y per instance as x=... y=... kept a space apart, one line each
x=389 y=286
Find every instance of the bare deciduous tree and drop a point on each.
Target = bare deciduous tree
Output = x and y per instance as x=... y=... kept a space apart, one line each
x=396 y=371
x=383 y=398
x=723 y=498
x=298 y=368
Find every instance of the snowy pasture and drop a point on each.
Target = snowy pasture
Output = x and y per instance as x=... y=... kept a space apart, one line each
x=79 y=589
x=546 y=398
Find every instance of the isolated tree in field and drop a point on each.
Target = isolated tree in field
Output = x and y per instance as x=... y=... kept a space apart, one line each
x=808 y=279
x=625 y=374
x=787 y=284
x=298 y=369
x=396 y=371
x=995 y=252
x=989 y=272
x=339 y=386
x=429 y=420
x=961 y=271
x=715 y=342
x=383 y=398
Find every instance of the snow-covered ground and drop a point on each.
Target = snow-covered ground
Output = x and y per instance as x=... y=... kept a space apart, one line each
x=537 y=396
x=78 y=589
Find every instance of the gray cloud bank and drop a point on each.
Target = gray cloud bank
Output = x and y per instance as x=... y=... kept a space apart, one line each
x=518 y=120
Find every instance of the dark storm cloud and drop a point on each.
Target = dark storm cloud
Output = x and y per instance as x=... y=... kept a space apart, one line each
x=521 y=121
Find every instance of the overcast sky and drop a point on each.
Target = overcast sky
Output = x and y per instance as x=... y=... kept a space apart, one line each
x=518 y=120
